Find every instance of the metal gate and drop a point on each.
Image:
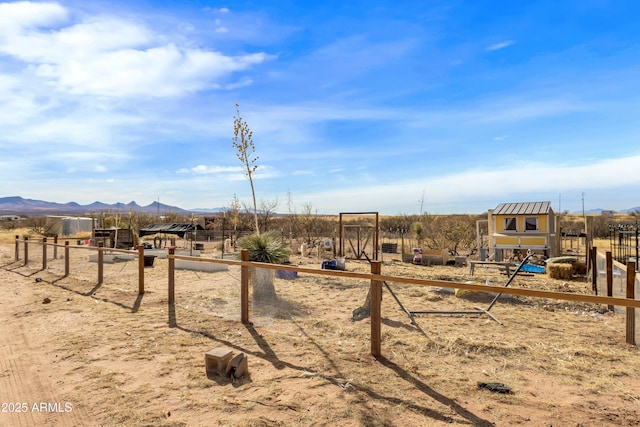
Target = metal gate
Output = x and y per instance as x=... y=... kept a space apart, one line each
x=624 y=242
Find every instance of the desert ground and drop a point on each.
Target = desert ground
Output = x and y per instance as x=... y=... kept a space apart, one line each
x=78 y=353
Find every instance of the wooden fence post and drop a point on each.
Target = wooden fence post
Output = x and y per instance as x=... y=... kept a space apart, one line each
x=172 y=272
x=376 y=310
x=17 y=248
x=244 y=287
x=44 y=253
x=594 y=269
x=609 y=262
x=66 y=258
x=631 y=312
x=140 y=270
x=26 y=250
x=100 y=263
x=55 y=247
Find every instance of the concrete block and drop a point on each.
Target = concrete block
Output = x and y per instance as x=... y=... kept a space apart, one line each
x=460 y=261
x=217 y=360
x=237 y=366
x=210 y=267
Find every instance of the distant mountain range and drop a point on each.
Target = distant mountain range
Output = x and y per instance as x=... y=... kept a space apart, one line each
x=599 y=211
x=18 y=206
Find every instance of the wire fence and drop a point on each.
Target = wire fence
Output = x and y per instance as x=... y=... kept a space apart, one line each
x=196 y=284
x=613 y=279
x=625 y=243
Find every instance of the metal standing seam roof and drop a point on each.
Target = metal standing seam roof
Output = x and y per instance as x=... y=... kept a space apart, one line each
x=524 y=208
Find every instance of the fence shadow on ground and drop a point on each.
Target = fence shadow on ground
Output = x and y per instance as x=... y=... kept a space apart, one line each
x=419 y=385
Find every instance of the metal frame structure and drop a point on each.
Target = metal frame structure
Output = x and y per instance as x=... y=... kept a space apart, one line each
x=359 y=249
x=622 y=238
x=479 y=310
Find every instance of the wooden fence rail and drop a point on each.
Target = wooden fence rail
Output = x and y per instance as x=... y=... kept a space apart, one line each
x=139 y=252
x=375 y=277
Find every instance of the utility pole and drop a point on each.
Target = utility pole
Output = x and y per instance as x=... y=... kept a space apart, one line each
x=560 y=203
x=584 y=217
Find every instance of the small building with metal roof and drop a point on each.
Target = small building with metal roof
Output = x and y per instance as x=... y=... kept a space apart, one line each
x=523 y=226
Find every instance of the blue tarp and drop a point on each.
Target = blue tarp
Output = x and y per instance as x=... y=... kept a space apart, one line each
x=532 y=268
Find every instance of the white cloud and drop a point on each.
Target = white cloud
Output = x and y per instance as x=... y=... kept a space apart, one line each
x=243 y=82
x=500 y=45
x=75 y=42
x=221 y=10
x=111 y=57
x=470 y=186
x=302 y=173
x=220 y=28
x=160 y=71
x=24 y=15
x=206 y=170
x=514 y=110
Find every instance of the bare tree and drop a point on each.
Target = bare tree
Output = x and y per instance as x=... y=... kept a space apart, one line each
x=451 y=232
x=243 y=142
x=291 y=218
x=234 y=215
x=267 y=210
x=312 y=225
x=39 y=225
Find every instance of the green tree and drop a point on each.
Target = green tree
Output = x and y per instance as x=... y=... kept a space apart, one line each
x=245 y=151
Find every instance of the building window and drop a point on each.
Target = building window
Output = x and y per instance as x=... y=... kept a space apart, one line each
x=510 y=224
x=531 y=223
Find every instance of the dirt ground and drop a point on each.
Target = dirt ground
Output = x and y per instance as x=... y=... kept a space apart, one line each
x=78 y=353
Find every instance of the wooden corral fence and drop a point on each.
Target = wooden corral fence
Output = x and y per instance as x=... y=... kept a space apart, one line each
x=377 y=280
x=614 y=279
x=26 y=243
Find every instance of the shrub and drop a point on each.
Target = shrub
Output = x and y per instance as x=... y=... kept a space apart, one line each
x=265 y=247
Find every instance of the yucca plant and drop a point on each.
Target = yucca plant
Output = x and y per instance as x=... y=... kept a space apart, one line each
x=266 y=247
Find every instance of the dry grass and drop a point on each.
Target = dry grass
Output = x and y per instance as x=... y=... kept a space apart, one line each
x=122 y=359
x=9 y=236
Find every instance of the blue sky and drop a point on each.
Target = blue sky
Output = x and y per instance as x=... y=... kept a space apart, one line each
x=395 y=107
